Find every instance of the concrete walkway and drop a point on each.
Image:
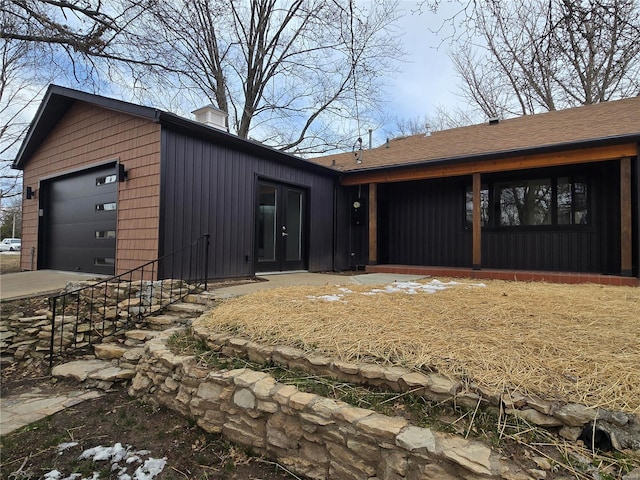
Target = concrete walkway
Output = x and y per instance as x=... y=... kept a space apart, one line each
x=28 y=407
x=314 y=279
x=40 y=282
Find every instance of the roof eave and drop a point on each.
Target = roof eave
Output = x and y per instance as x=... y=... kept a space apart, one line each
x=559 y=147
x=58 y=100
x=66 y=97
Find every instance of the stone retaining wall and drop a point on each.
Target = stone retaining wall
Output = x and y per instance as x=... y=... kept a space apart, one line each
x=312 y=435
x=114 y=306
x=25 y=337
x=568 y=419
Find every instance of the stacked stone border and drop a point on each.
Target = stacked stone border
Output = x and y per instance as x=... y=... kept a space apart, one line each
x=568 y=419
x=125 y=305
x=312 y=435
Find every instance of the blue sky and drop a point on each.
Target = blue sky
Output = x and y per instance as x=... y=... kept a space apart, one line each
x=428 y=79
x=424 y=82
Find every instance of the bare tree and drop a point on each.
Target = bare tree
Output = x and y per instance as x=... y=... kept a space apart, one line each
x=288 y=72
x=11 y=218
x=87 y=28
x=42 y=41
x=441 y=119
x=526 y=56
x=11 y=56
x=17 y=90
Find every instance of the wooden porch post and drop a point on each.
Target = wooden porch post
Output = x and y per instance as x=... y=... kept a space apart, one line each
x=626 y=243
x=477 y=225
x=373 y=223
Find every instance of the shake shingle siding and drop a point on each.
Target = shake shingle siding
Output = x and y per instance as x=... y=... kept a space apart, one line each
x=88 y=136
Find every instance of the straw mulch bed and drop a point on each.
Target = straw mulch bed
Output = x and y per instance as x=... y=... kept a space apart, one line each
x=577 y=343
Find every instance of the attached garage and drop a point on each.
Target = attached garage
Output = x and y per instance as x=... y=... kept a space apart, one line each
x=79 y=221
x=114 y=185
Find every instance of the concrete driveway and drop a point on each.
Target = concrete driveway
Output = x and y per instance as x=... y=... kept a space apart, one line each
x=41 y=282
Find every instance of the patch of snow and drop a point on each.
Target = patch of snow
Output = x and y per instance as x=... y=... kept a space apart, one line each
x=327 y=298
x=65 y=446
x=73 y=476
x=408 y=287
x=115 y=455
x=150 y=469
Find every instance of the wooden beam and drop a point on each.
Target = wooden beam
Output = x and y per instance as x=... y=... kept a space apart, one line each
x=626 y=243
x=477 y=224
x=373 y=224
x=426 y=171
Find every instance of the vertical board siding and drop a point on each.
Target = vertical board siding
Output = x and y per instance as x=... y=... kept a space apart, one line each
x=542 y=250
x=423 y=223
x=210 y=188
x=635 y=189
x=86 y=136
x=592 y=249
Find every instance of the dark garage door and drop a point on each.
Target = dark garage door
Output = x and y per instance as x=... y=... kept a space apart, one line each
x=80 y=219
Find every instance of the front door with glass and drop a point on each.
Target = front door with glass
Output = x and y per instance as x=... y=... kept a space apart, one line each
x=280 y=228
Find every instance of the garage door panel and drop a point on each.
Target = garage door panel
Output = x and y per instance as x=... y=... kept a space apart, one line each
x=94 y=260
x=79 y=211
x=99 y=234
x=81 y=217
x=82 y=186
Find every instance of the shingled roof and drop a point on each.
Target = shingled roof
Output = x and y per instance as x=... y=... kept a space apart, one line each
x=608 y=122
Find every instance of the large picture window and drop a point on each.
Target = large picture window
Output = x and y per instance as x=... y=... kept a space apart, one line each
x=526 y=202
x=532 y=202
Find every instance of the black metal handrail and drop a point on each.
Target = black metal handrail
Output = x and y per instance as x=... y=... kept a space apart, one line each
x=86 y=315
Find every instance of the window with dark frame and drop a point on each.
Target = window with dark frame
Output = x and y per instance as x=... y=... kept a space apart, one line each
x=104 y=261
x=531 y=202
x=106 y=179
x=105 y=234
x=105 y=207
x=484 y=206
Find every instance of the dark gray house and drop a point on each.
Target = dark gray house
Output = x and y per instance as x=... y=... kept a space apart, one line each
x=110 y=185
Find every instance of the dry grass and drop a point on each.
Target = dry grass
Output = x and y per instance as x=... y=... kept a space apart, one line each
x=9 y=263
x=578 y=343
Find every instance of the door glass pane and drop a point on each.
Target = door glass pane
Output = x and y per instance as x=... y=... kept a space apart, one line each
x=294 y=226
x=267 y=223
